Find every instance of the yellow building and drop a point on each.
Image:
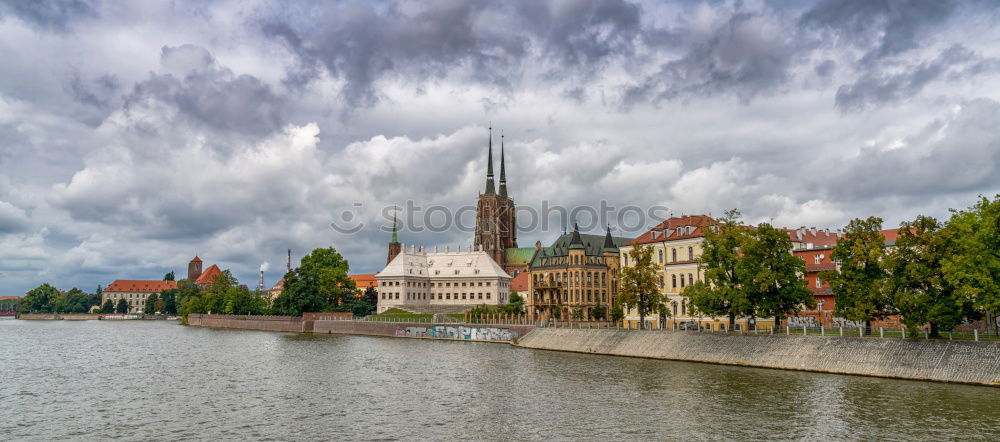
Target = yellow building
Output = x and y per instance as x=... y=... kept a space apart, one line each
x=677 y=246
x=577 y=273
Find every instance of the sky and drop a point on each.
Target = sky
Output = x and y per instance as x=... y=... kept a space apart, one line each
x=135 y=135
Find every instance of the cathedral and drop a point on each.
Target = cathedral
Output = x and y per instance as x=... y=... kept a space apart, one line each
x=496 y=220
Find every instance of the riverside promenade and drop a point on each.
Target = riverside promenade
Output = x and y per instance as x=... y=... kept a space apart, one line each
x=937 y=360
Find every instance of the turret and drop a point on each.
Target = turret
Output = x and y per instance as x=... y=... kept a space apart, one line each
x=503 y=172
x=489 y=166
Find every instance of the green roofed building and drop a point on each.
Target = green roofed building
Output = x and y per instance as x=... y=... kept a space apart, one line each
x=576 y=274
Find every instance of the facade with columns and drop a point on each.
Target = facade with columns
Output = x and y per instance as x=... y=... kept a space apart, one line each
x=453 y=280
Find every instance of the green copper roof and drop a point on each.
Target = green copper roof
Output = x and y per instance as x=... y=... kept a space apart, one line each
x=395 y=239
x=593 y=245
x=520 y=256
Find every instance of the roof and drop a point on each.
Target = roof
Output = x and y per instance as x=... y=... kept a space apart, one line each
x=7 y=298
x=362 y=280
x=196 y=259
x=462 y=264
x=280 y=285
x=593 y=245
x=140 y=285
x=675 y=228
x=208 y=276
x=519 y=256
x=890 y=235
x=520 y=282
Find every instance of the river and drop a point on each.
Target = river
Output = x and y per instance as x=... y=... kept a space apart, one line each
x=147 y=380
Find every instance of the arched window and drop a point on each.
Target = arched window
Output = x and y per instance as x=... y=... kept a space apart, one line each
x=690 y=253
x=684 y=307
x=674 y=304
x=690 y=279
x=673 y=255
x=673 y=281
x=682 y=281
x=661 y=256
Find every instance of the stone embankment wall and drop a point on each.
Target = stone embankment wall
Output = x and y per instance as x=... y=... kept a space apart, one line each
x=327 y=324
x=939 y=360
x=243 y=322
x=61 y=316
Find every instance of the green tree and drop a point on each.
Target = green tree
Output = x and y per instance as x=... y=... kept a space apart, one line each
x=599 y=313
x=169 y=298
x=108 y=307
x=859 y=280
x=917 y=286
x=122 y=306
x=100 y=291
x=617 y=314
x=318 y=284
x=39 y=299
x=973 y=266
x=515 y=305
x=722 y=292
x=169 y=276
x=577 y=314
x=151 y=301
x=556 y=313
x=772 y=276
x=639 y=288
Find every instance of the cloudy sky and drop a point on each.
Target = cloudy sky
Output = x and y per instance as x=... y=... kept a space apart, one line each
x=134 y=135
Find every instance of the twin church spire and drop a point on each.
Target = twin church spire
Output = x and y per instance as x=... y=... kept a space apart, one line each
x=490 y=189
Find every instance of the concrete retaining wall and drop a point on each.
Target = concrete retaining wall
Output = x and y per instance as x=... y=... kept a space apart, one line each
x=266 y=323
x=468 y=332
x=949 y=361
x=61 y=316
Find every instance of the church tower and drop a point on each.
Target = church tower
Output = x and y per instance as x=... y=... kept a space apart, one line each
x=495 y=219
x=394 y=246
x=194 y=269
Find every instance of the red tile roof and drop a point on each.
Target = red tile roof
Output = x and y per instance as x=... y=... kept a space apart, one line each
x=890 y=234
x=208 y=276
x=520 y=282
x=140 y=285
x=669 y=230
x=196 y=259
x=363 y=280
x=5 y=298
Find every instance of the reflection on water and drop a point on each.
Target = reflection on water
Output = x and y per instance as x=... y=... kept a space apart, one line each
x=158 y=380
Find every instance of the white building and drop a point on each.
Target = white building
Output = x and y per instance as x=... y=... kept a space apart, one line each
x=458 y=279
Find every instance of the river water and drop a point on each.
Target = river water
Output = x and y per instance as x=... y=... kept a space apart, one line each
x=145 y=380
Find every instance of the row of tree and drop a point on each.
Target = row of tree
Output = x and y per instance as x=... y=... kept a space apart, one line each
x=48 y=299
x=747 y=272
x=936 y=273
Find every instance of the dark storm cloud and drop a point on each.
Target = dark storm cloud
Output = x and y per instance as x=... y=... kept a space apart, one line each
x=745 y=55
x=875 y=88
x=209 y=94
x=362 y=43
x=882 y=27
x=959 y=153
x=53 y=15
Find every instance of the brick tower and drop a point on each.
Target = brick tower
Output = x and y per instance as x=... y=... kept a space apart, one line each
x=496 y=224
x=194 y=269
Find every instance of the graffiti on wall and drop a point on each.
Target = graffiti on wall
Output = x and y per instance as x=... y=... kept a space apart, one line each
x=802 y=321
x=846 y=323
x=458 y=332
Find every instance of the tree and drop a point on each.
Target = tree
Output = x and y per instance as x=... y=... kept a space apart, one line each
x=973 y=267
x=577 y=314
x=169 y=298
x=169 y=276
x=516 y=304
x=151 y=301
x=771 y=275
x=317 y=285
x=556 y=313
x=639 y=288
x=617 y=314
x=39 y=299
x=859 y=280
x=99 y=291
x=159 y=306
x=722 y=292
x=599 y=313
x=917 y=286
x=122 y=306
x=108 y=307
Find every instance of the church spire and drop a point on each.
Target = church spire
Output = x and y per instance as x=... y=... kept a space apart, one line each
x=503 y=173
x=489 y=166
x=609 y=244
x=395 y=238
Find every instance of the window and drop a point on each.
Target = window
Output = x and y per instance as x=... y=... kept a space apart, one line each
x=673 y=255
x=684 y=307
x=661 y=281
x=690 y=279
x=673 y=281
x=690 y=253
x=816 y=259
x=819 y=283
x=626 y=260
x=682 y=281
x=661 y=256
x=487 y=295
x=674 y=304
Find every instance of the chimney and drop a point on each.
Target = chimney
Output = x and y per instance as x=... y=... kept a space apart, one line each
x=289 y=268
x=813 y=231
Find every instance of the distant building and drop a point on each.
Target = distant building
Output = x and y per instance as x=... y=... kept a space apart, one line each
x=8 y=305
x=449 y=281
x=135 y=292
x=577 y=272
x=363 y=281
x=208 y=276
x=814 y=248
